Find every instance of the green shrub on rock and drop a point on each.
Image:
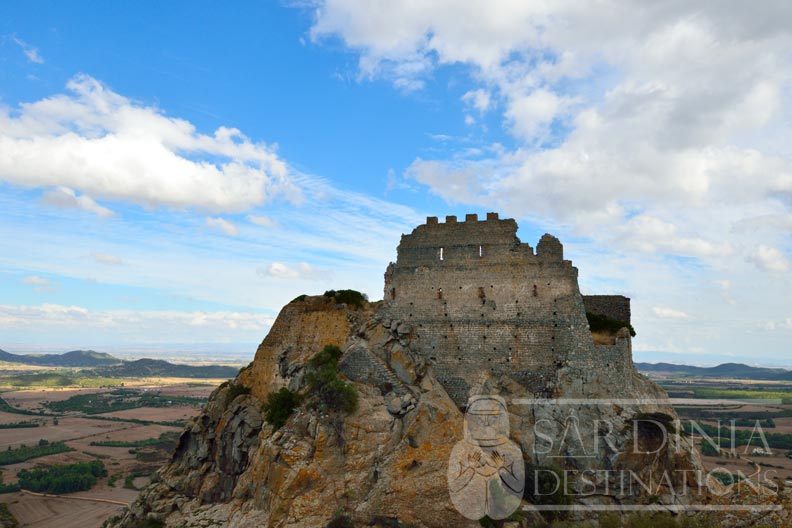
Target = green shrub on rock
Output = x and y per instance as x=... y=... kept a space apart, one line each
x=235 y=389
x=603 y=323
x=279 y=406
x=349 y=297
x=323 y=382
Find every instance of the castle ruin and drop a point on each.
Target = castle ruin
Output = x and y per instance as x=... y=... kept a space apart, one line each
x=479 y=303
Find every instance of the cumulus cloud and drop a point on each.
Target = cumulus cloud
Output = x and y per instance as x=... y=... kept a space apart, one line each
x=653 y=235
x=68 y=199
x=769 y=259
x=668 y=313
x=301 y=271
x=531 y=114
x=222 y=225
x=105 y=145
x=617 y=111
x=30 y=52
x=40 y=284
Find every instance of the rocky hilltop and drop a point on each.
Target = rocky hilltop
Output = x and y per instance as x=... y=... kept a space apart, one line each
x=468 y=309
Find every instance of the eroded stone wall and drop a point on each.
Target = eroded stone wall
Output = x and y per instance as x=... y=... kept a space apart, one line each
x=613 y=306
x=482 y=304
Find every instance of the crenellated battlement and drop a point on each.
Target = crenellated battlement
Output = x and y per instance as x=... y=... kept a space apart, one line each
x=473 y=242
x=452 y=219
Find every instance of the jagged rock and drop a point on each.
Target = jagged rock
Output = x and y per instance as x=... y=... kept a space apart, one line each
x=395 y=406
x=403 y=329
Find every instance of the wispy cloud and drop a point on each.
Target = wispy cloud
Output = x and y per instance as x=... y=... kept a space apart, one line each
x=223 y=225
x=168 y=326
x=40 y=284
x=669 y=313
x=69 y=199
x=263 y=221
x=107 y=258
x=300 y=271
x=30 y=52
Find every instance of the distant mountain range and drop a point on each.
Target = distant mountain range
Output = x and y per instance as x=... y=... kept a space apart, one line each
x=726 y=370
x=106 y=365
x=146 y=368
x=75 y=358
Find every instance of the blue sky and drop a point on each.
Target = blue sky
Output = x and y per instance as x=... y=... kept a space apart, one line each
x=172 y=174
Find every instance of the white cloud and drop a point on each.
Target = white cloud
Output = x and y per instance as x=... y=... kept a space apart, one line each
x=767 y=222
x=653 y=235
x=165 y=325
x=531 y=114
x=478 y=99
x=68 y=199
x=263 y=221
x=669 y=313
x=726 y=285
x=223 y=225
x=105 y=145
x=40 y=284
x=107 y=258
x=625 y=130
x=769 y=259
x=30 y=52
x=301 y=271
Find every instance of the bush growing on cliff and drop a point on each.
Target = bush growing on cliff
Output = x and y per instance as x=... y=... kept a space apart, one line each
x=349 y=297
x=603 y=323
x=279 y=407
x=234 y=390
x=322 y=378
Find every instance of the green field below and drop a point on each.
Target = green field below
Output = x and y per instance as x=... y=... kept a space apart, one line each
x=57 y=380
x=745 y=394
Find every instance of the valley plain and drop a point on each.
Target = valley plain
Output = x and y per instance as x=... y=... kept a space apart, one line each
x=57 y=416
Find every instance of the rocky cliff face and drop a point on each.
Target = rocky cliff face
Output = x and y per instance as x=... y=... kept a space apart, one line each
x=386 y=463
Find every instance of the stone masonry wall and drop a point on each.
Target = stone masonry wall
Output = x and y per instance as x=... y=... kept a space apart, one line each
x=613 y=306
x=481 y=303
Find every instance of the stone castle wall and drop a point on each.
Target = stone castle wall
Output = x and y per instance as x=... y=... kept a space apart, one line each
x=481 y=303
x=613 y=306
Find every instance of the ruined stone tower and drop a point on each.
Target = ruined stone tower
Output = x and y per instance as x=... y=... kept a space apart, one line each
x=481 y=304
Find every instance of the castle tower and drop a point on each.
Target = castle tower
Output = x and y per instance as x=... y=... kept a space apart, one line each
x=481 y=303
